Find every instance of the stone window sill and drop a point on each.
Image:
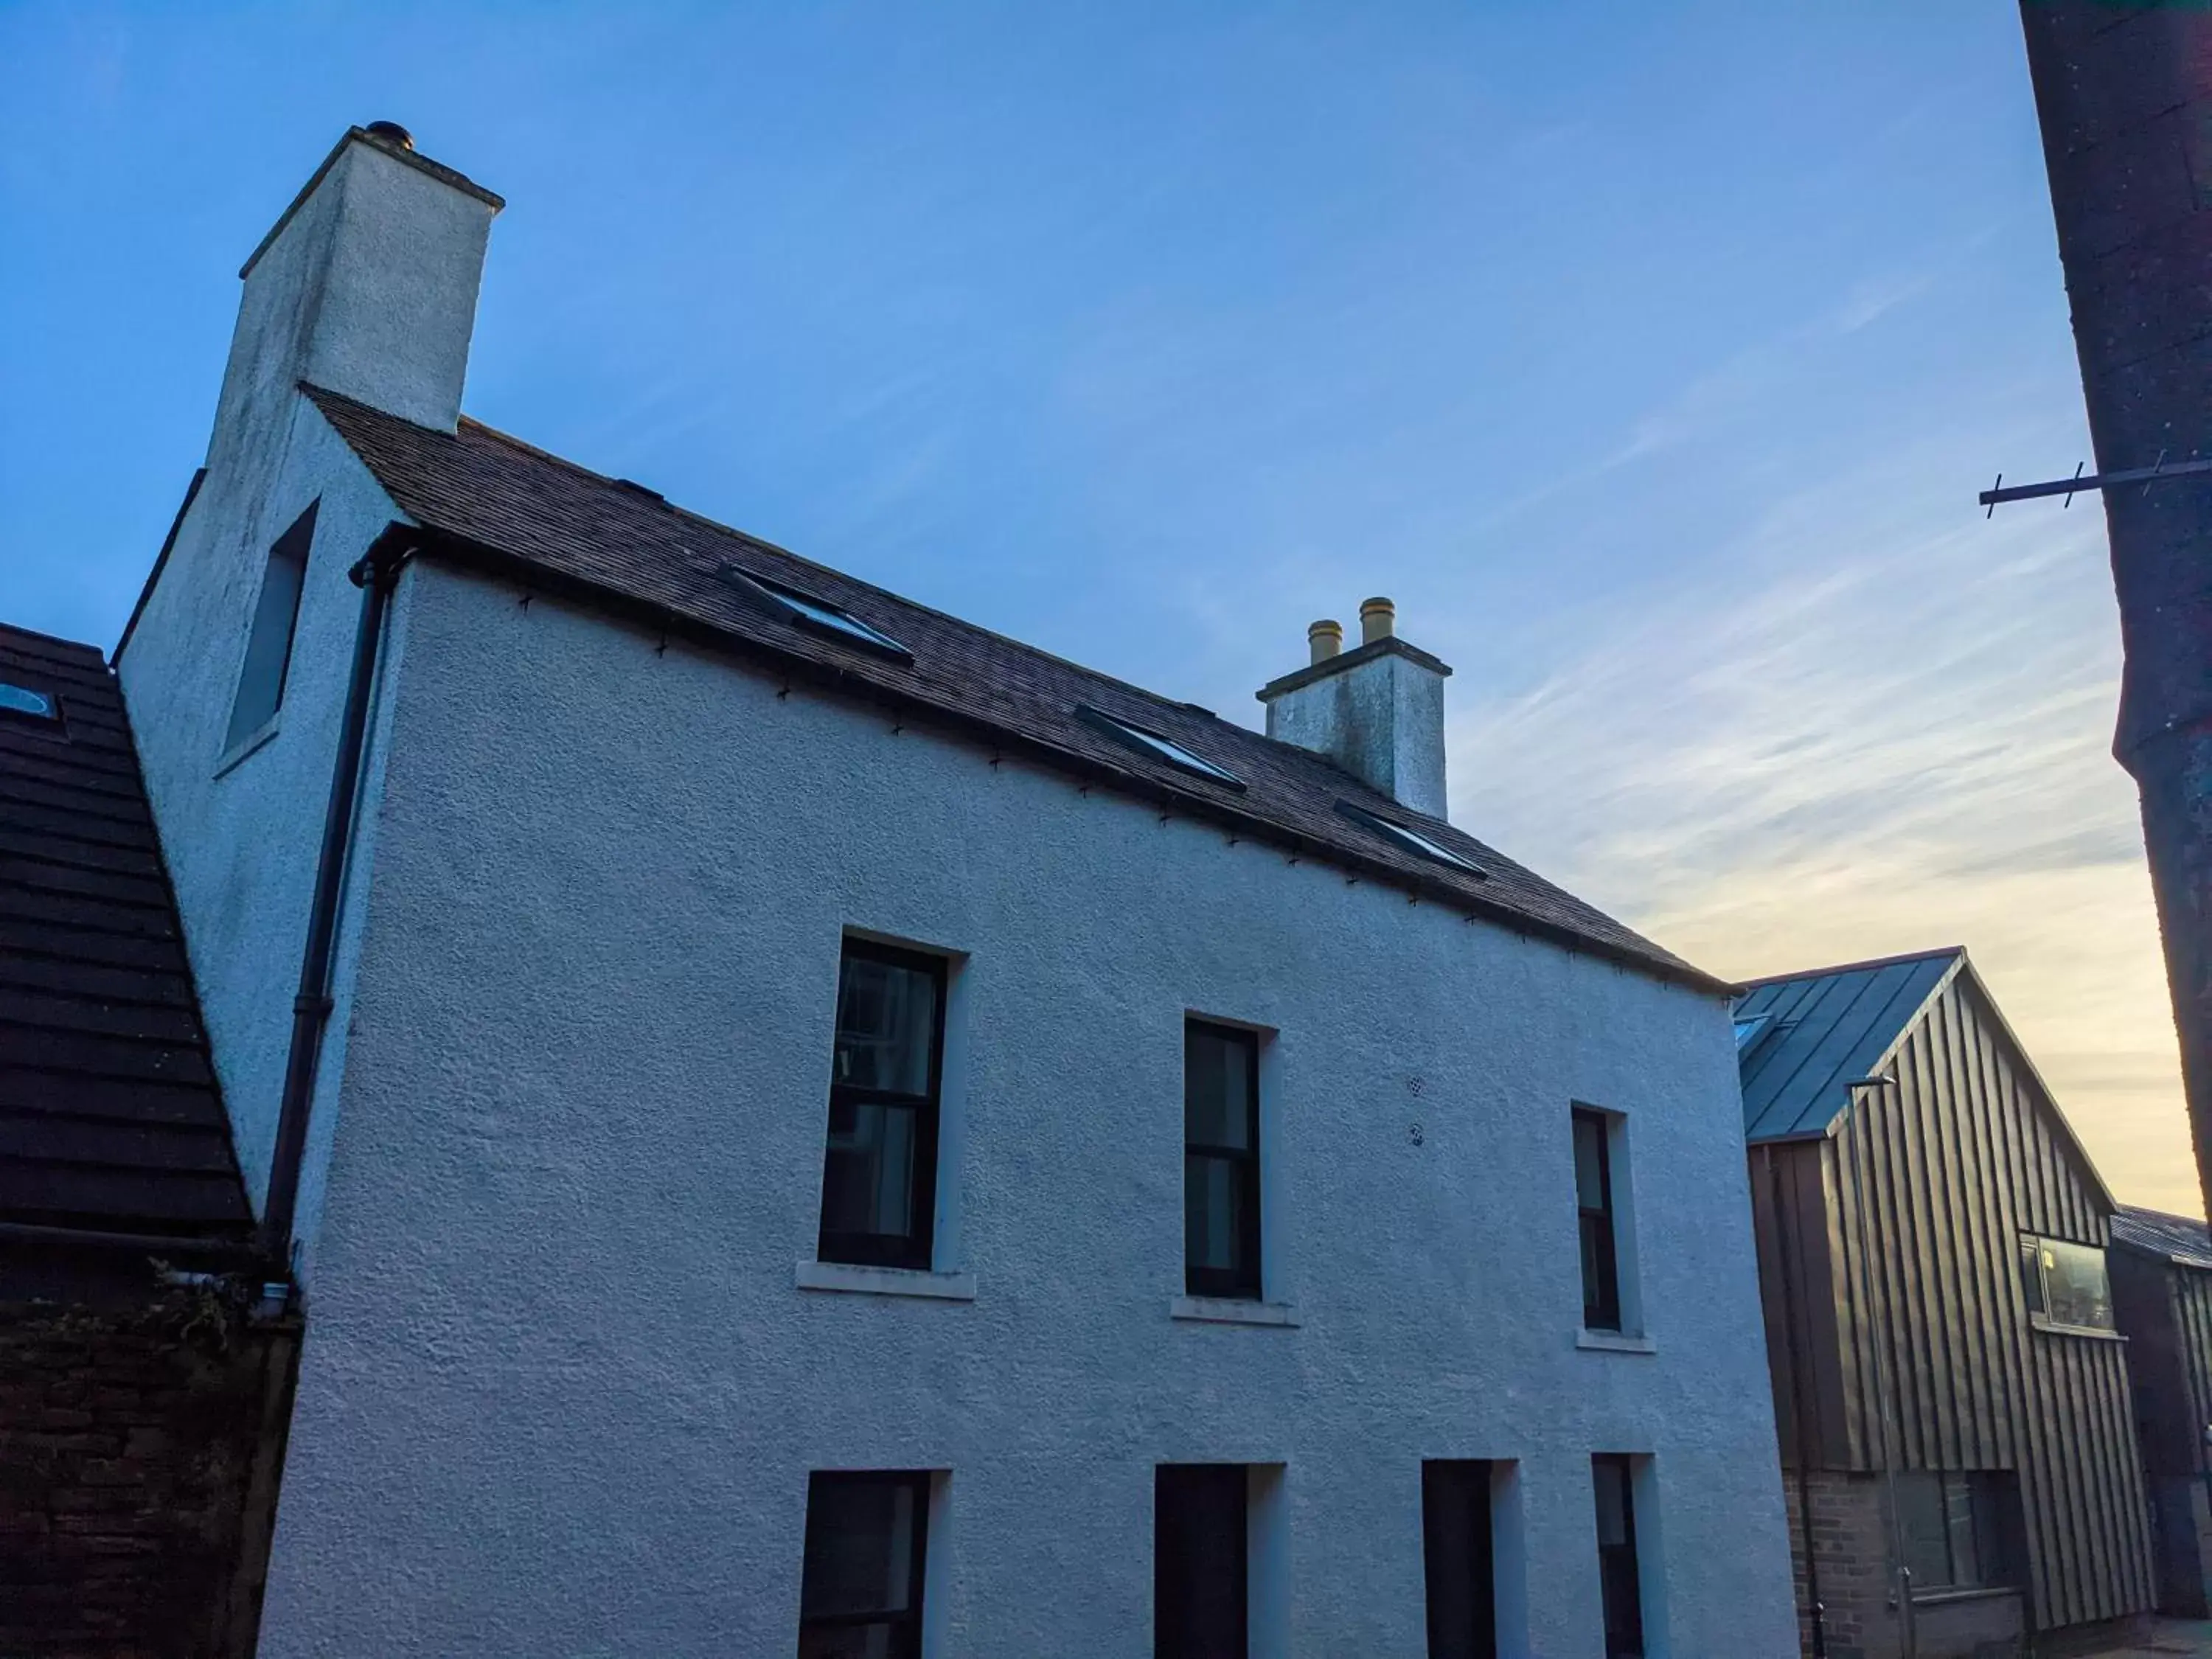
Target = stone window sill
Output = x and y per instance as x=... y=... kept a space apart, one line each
x=2053 y=1328
x=1938 y=1598
x=251 y=744
x=1615 y=1342
x=1228 y=1310
x=854 y=1279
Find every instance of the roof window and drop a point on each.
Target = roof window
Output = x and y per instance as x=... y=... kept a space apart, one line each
x=1157 y=746
x=824 y=618
x=1411 y=840
x=1748 y=1031
x=32 y=705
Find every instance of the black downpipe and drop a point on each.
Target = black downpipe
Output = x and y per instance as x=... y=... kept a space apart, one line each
x=376 y=574
x=1783 y=1231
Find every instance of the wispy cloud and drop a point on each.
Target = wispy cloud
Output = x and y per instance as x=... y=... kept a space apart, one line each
x=1883 y=742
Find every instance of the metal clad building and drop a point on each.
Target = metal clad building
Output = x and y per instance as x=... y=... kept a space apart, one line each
x=1930 y=1238
x=2162 y=1296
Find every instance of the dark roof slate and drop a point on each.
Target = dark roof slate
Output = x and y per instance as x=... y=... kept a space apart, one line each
x=1823 y=1031
x=110 y=1118
x=2180 y=1239
x=538 y=515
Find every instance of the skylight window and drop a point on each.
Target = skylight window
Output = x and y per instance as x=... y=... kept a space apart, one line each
x=1748 y=1031
x=1411 y=840
x=21 y=700
x=827 y=618
x=1160 y=747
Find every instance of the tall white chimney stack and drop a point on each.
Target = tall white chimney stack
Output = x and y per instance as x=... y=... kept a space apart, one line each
x=1376 y=710
x=367 y=285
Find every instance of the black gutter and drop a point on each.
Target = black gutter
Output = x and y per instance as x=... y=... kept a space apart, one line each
x=376 y=574
x=497 y=562
x=161 y=560
x=1784 y=1228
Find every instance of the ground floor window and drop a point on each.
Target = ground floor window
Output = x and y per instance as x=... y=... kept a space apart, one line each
x=1955 y=1528
x=866 y=1540
x=1457 y=1558
x=1620 y=1581
x=1200 y=1576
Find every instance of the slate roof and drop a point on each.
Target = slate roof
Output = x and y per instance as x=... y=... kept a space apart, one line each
x=1822 y=1031
x=2177 y=1238
x=538 y=518
x=109 y=1119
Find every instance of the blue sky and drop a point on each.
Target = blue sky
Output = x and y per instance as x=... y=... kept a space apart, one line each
x=1648 y=356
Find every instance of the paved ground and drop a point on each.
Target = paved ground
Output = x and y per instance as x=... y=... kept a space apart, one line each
x=2173 y=1637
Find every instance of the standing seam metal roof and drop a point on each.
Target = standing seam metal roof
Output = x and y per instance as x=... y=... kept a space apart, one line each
x=1826 y=1030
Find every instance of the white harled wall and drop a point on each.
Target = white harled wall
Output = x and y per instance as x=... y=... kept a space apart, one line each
x=561 y=1393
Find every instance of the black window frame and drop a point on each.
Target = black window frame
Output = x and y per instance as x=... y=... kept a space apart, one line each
x=1621 y=1567
x=1602 y=1301
x=913 y=1249
x=1459 y=1585
x=1170 y=1613
x=2035 y=1284
x=1242 y=1282
x=1158 y=747
x=905 y=1623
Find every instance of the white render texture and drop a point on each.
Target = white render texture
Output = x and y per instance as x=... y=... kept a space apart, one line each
x=1381 y=717
x=561 y=1389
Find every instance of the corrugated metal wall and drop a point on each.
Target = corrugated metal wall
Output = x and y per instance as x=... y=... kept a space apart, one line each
x=2192 y=1317
x=1947 y=1170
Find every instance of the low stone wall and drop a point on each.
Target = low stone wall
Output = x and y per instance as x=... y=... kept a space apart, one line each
x=140 y=1445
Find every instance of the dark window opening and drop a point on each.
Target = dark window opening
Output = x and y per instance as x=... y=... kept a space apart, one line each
x=1956 y=1530
x=879 y=1169
x=1457 y=1560
x=1198 y=1565
x=1221 y=1161
x=268 y=646
x=1619 y=1583
x=1594 y=1204
x=866 y=1544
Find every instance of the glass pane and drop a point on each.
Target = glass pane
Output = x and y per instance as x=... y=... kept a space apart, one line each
x=886 y=1026
x=860 y=1548
x=867 y=1179
x=1601 y=1290
x=24 y=701
x=1611 y=1475
x=269 y=648
x=1590 y=1162
x=1923 y=1529
x=1213 y=1212
x=2074 y=1290
x=1216 y=1088
x=1959 y=1511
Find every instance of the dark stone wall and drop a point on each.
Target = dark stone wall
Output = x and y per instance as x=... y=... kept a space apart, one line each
x=140 y=1443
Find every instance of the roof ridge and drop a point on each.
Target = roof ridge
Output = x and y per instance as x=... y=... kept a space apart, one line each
x=1869 y=965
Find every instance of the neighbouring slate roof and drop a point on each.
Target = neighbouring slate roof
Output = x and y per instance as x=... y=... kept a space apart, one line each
x=2177 y=1238
x=550 y=520
x=109 y=1119
x=1823 y=1031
